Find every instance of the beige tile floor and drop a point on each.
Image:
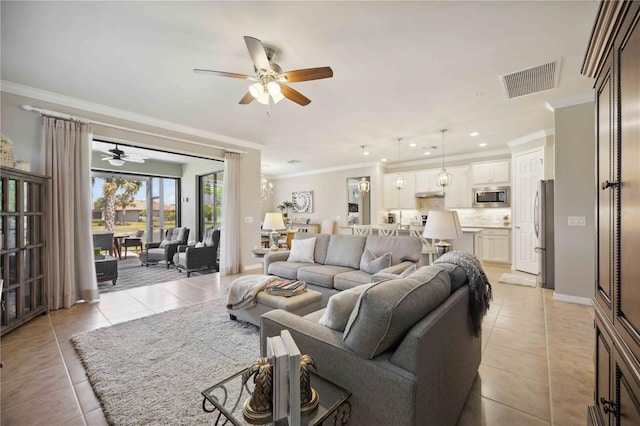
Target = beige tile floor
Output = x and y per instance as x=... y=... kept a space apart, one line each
x=537 y=362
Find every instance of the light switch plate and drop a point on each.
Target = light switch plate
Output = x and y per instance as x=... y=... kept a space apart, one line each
x=576 y=221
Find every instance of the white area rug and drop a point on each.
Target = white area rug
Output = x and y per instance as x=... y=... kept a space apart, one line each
x=518 y=279
x=151 y=370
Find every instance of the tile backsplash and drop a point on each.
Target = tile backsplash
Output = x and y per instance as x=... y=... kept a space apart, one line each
x=483 y=217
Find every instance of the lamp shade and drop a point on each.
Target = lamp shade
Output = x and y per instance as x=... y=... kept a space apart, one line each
x=443 y=225
x=273 y=221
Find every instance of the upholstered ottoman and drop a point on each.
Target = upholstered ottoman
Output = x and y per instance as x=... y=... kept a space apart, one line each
x=301 y=304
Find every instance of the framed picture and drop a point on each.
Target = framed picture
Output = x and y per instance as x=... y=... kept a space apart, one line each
x=302 y=201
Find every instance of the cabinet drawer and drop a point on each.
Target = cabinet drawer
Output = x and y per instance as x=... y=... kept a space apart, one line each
x=502 y=232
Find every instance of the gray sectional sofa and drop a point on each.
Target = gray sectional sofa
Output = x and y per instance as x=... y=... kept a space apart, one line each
x=408 y=352
x=339 y=263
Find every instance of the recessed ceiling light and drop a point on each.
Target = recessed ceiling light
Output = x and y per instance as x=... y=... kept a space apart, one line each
x=413 y=145
x=383 y=160
x=365 y=153
x=474 y=134
x=427 y=153
x=482 y=144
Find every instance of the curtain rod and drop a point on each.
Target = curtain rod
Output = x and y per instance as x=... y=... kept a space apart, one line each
x=64 y=116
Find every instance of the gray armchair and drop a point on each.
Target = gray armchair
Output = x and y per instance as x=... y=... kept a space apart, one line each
x=164 y=251
x=191 y=259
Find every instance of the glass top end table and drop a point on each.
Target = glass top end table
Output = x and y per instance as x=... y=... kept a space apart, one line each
x=228 y=398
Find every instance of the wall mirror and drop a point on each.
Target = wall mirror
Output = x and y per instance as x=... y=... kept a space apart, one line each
x=359 y=205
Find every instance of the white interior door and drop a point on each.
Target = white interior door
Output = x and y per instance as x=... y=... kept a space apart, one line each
x=528 y=171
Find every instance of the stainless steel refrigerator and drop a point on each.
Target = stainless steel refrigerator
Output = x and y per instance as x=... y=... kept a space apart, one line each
x=543 y=226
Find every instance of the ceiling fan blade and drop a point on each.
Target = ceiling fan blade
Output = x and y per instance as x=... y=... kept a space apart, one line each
x=308 y=74
x=258 y=56
x=133 y=160
x=222 y=74
x=294 y=95
x=246 y=99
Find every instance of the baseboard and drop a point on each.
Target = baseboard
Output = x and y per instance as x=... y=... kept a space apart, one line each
x=572 y=299
x=252 y=267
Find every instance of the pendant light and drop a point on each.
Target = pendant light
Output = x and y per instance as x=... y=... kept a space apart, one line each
x=399 y=182
x=363 y=185
x=443 y=178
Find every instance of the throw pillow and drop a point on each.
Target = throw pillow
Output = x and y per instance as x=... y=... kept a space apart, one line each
x=372 y=264
x=302 y=250
x=164 y=242
x=181 y=233
x=410 y=270
x=200 y=244
x=340 y=307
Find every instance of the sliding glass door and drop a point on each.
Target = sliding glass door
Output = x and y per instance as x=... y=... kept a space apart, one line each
x=210 y=196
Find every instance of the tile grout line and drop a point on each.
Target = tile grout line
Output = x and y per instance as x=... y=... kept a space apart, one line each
x=546 y=336
x=66 y=369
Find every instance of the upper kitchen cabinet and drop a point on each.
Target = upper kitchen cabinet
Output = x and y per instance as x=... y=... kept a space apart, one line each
x=493 y=173
x=404 y=198
x=458 y=194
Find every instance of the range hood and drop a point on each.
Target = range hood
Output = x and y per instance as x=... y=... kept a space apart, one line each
x=430 y=194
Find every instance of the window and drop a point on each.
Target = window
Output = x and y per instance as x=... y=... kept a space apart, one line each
x=210 y=196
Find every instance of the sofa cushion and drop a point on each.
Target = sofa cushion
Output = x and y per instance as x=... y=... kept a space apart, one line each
x=321 y=275
x=401 y=248
x=386 y=311
x=302 y=250
x=347 y=280
x=456 y=274
x=285 y=269
x=346 y=250
x=340 y=307
x=322 y=242
x=371 y=263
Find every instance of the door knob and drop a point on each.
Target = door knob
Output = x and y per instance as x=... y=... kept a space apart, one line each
x=606 y=184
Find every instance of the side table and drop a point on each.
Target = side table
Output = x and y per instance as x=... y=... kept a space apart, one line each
x=227 y=399
x=107 y=269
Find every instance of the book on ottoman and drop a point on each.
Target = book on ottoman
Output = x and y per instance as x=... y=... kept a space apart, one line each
x=286 y=288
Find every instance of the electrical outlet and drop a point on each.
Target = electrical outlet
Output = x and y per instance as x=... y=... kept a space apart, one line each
x=248 y=219
x=576 y=221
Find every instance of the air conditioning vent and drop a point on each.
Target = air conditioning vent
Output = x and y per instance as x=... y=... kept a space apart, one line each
x=531 y=80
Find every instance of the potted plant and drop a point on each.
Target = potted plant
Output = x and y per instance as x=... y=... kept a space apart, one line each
x=285 y=205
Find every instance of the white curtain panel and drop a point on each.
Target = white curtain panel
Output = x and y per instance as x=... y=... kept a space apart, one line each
x=66 y=156
x=230 y=231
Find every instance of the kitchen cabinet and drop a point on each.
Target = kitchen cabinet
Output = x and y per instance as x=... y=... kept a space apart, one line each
x=458 y=194
x=23 y=267
x=496 y=245
x=426 y=181
x=404 y=198
x=613 y=58
x=493 y=173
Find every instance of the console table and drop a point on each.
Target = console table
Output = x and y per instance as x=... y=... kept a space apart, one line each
x=226 y=400
x=107 y=269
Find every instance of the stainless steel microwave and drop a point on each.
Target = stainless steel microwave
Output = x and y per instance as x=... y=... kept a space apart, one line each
x=496 y=196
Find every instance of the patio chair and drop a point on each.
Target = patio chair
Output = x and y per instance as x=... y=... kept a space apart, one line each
x=135 y=242
x=104 y=241
x=164 y=251
x=191 y=259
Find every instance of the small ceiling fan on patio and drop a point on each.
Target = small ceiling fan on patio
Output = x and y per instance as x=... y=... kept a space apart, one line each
x=117 y=157
x=270 y=78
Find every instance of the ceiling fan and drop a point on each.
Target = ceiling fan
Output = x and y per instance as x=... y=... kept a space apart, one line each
x=117 y=157
x=269 y=77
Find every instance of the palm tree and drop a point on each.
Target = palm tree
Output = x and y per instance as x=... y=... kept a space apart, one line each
x=110 y=188
x=126 y=199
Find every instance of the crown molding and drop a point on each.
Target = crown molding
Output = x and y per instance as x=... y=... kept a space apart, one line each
x=540 y=134
x=451 y=158
x=79 y=104
x=327 y=170
x=579 y=99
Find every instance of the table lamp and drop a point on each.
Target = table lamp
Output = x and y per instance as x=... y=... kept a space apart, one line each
x=273 y=222
x=443 y=225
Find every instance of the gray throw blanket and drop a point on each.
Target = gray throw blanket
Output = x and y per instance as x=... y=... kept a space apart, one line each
x=479 y=285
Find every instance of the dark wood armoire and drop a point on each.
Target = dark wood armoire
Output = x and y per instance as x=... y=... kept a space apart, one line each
x=613 y=58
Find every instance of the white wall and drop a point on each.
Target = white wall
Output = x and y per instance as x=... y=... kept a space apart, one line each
x=574 y=196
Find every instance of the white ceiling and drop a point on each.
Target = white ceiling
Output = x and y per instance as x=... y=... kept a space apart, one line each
x=401 y=69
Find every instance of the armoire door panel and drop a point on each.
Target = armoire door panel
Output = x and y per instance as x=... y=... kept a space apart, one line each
x=627 y=391
x=627 y=319
x=603 y=374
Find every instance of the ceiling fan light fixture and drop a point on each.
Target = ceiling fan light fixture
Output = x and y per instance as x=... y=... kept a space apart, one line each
x=116 y=162
x=263 y=98
x=256 y=90
x=277 y=97
x=274 y=88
